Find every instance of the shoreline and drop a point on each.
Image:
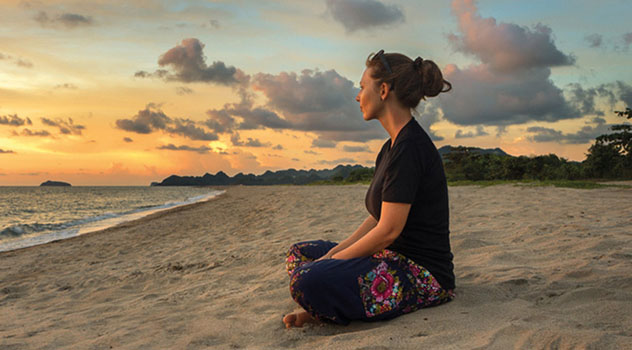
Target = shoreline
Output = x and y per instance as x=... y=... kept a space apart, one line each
x=98 y=226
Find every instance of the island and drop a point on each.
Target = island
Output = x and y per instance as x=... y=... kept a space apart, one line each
x=55 y=183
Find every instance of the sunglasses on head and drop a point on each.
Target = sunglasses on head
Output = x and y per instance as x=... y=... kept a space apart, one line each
x=380 y=54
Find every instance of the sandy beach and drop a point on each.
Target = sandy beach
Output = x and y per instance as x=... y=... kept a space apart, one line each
x=536 y=268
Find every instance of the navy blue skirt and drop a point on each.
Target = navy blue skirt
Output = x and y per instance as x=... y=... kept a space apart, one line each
x=382 y=286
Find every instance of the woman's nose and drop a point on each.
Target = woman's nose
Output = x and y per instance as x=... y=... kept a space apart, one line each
x=358 y=97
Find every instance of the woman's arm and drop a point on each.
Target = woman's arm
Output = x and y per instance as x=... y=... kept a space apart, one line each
x=366 y=226
x=392 y=220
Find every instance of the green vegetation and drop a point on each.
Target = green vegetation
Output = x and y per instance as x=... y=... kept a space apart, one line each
x=609 y=158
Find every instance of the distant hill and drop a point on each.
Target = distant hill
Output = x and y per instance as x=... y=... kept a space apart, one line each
x=447 y=149
x=289 y=176
x=55 y=183
x=280 y=177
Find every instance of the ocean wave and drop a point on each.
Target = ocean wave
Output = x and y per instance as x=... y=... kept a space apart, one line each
x=35 y=232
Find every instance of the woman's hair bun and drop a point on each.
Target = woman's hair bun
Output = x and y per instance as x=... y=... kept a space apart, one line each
x=432 y=79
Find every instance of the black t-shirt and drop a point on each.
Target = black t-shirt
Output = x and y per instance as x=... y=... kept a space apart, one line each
x=411 y=171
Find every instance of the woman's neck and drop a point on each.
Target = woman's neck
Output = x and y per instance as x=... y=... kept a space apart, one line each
x=394 y=119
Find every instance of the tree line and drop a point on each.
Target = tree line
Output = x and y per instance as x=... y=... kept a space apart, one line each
x=610 y=157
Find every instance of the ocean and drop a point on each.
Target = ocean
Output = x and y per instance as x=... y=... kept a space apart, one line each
x=36 y=215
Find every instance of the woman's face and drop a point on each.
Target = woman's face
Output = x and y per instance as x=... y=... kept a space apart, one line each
x=369 y=96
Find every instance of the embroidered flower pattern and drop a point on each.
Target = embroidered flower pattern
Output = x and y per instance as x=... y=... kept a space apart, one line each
x=380 y=290
x=294 y=257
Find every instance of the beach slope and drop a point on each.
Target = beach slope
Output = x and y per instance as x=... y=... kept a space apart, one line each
x=536 y=267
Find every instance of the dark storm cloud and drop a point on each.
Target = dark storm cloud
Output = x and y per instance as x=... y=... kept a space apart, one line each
x=7 y=151
x=66 y=127
x=152 y=119
x=68 y=20
x=278 y=147
x=127 y=139
x=172 y=147
x=186 y=63
x=479 y=132
x=14 y=120
x=586 y=134
x=594 y=40
x=364 y=14
x=512 y=84
x=504 y=46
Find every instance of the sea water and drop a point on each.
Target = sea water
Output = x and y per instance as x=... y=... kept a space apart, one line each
x=36 y=215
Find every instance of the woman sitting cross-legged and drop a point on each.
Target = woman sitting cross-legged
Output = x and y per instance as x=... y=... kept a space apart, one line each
x=399 y=259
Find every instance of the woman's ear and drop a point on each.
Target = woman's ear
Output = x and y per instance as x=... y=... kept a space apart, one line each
x=384 y=91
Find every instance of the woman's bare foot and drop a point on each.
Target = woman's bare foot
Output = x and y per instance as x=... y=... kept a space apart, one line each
x=297 y=319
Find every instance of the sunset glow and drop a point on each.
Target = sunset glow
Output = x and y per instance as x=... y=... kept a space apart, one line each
x=126 y=93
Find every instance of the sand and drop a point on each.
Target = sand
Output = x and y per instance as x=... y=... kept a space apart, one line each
x=536 y=267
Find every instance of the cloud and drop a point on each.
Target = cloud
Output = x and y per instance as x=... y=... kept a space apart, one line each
x=172 y=147
x=428 y=115
x=364 y=14
x=66 y=127
x=512 y=83
x=504 y=47
x=319 y=102
x=29 y=132
x=145 y=121
x=364 y=148
x=338 y=161
x=627 y=39
x=14 y=120
x=479 y=132
x=278 y=147
x=67 y=20
x=152 y=119
x=66 y=86
x=311 y=152
x=8 y=151
x=586 y=134
x=127 y=139
x=585 y=99
x=187 y=63
x=187 y=128
x=249 y=143
x=594 y=40
x=481 y=96
x=322 y=143
x=20 y=62
x=183 y=90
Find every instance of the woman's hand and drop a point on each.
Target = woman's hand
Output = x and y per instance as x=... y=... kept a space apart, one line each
x=326 y=256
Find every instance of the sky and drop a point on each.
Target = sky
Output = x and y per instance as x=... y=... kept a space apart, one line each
x=129 y=92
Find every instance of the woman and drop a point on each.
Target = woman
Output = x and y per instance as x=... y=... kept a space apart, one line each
x=398 y=260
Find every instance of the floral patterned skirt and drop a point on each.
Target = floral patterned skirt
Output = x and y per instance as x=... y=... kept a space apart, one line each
x=382 y=286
